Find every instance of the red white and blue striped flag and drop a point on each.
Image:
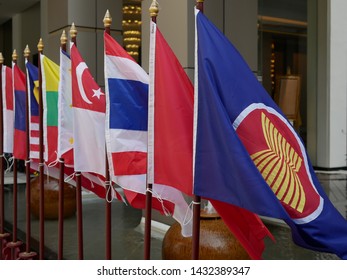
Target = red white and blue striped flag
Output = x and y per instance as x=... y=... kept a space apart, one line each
x=126 y=134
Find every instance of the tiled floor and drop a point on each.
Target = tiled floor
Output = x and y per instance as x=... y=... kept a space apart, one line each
x=127 y=228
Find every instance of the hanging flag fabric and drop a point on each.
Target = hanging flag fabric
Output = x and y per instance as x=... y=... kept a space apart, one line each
x=248 y=154
x=89 y=181
x=65 y=114
x=34 y=114
x=7 y=105
x=50 y=84
x=170 y=154
x=126 y=134
x=171 y=109
x=88 y=103
x=19 y=89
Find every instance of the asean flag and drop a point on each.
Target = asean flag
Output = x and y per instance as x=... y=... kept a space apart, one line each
x=19 y=89
x=88 y=102
x=7 y=105
x=249 y=152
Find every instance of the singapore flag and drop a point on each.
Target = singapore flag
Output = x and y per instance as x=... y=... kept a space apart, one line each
x=89 y=105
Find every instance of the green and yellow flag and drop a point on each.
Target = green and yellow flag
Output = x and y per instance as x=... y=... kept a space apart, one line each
x=50 y=84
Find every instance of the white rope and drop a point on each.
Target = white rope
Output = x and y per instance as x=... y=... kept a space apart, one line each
x=9 y=164
x=115 y=193
x=69 y=178
x=195 y=202
x=187 y=220
x=108 y=190
x=157 y=196
x=53 y=163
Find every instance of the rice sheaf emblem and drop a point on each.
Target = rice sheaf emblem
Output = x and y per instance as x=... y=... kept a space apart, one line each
x=281 y=160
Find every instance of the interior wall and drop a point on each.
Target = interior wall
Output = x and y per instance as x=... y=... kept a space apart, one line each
x=6 y=41
x=87 y=15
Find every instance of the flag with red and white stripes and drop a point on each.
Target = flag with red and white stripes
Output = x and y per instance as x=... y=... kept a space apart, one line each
x=33 y=92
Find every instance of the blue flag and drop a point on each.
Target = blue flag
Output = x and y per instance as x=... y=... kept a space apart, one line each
x=248 y=154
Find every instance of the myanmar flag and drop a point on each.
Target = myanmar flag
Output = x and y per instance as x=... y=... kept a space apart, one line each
x=50 y=84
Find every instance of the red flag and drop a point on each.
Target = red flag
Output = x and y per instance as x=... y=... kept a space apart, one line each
x=172 y=129
x=170 y=159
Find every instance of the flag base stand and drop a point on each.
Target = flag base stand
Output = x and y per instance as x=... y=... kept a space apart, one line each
x=216 y=241
x=3 y=242
x=51 y=198
x=27 y=256
x=12 y=249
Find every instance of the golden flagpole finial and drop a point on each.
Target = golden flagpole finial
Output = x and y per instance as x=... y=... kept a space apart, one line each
x=40 y=45
x=154 y=8
x=73 y=31
x=200 y=5
x=14 y=55
x=26 y=52
x=107 y=19
x=1 y=58
x=63 y=38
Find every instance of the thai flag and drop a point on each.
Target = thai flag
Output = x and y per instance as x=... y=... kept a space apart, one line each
x=33 y=91
x=19 y=88
x=7 y=105
x=126 y=133
x=248 y=154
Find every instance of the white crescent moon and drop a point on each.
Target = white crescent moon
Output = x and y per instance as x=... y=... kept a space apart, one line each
x=79 y=71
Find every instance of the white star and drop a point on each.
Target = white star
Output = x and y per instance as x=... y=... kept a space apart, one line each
x=98 y=93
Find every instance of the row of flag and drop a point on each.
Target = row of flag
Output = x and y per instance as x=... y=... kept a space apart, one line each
x=223 y=138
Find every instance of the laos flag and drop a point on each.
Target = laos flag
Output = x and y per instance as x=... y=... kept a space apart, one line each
x=19 y=140
x=248 y=154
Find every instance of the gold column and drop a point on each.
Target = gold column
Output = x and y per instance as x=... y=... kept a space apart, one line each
x=131 y=25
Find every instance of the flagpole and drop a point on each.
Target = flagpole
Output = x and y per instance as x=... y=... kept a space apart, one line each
x=73 y=35
x=15 y=244
x=27 y=254
x=197 y=199
x=2 y=180
x=107 y=24
x=40 y=47
x=153 y=11
x=3 y=235
x=63 y=42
